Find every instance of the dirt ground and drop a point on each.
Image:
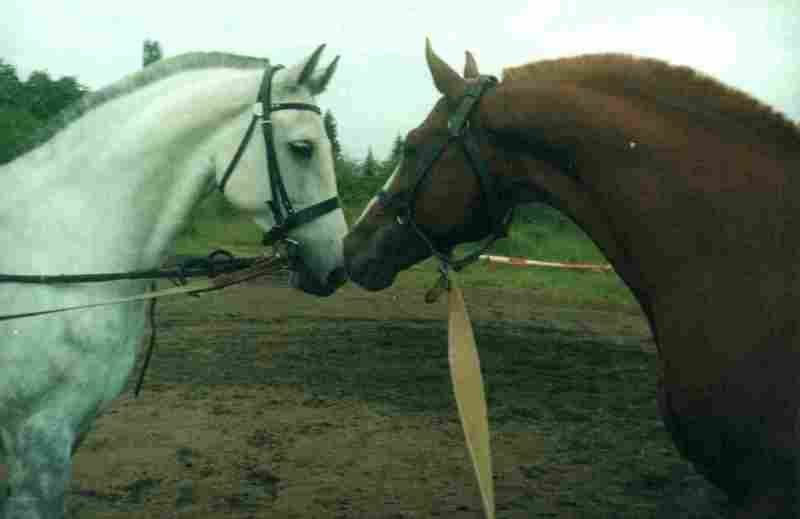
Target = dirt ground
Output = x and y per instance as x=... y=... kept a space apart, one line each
x=223 y=429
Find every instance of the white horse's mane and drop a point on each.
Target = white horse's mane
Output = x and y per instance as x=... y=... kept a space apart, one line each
x=139 y=79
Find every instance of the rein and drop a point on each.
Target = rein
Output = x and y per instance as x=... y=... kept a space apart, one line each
x=221 y=274
x=192 y=267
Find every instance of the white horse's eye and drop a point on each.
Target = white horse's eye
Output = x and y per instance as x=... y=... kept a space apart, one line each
x=302 y=149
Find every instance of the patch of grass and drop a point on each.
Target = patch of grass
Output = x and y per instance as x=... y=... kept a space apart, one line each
x=237 y=235
x=539 y=232
x=356 y=191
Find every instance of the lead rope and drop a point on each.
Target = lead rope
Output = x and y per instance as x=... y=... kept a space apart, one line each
x=152 y=342
x=465 y=372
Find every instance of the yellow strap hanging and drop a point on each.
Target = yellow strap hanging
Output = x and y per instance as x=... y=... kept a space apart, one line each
x=465 y=370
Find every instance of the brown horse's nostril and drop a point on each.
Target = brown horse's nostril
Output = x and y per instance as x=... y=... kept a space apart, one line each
x=337 y=277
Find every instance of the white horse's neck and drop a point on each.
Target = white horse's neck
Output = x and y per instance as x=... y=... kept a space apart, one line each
x=121 y=180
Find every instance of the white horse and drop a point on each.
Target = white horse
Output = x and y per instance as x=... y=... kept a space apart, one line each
x=108 y=191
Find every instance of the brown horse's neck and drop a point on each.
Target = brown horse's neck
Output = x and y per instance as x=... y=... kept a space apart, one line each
x=662 y=193
x=542 y=132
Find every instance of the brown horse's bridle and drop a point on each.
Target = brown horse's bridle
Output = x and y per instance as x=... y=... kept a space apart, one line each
x=458 y=130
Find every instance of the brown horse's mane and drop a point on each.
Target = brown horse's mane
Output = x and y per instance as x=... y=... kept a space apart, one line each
x=663 y=84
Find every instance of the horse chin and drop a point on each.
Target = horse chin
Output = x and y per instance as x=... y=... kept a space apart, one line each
x=377 y=272
x=301 y=278
x=373 y=259
x=374 y=276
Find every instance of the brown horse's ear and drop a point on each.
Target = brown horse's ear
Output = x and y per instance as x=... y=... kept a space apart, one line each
x=471 y=67
x=447 y=80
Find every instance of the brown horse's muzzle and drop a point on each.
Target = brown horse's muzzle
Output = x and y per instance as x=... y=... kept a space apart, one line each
x=373 y=259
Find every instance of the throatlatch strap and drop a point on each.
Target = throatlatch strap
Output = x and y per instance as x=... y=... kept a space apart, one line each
x=238 y=155
x=279 y=195
x=488 y=184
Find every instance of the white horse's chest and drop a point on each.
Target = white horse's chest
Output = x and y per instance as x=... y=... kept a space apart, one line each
x=81 y=356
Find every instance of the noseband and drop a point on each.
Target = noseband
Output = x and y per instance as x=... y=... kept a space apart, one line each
x=286 y=218
x=458 y=130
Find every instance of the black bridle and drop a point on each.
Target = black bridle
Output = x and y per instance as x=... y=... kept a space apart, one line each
x=458 y=130
x=286 y=218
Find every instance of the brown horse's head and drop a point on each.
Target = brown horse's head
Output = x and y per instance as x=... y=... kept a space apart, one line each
x=435 y=199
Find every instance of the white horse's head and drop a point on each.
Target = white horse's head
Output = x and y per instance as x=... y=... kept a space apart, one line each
x=301 y=157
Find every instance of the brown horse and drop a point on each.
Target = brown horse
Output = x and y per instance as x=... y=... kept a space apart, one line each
x=692 y=191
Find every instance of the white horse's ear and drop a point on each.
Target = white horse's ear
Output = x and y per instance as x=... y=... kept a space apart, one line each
x=302 y=74
x=319 y=82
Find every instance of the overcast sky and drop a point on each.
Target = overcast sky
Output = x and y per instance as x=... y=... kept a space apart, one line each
x=383 y=87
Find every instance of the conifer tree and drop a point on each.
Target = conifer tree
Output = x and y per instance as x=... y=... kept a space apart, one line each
x=332 y=129
x=370 y=164
x=151 y=52
x=396 y=154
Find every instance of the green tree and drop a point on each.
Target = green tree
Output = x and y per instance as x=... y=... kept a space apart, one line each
x=395 y=155
x=332 y=129
x=151 y=52
x=16 y=122
x=371 y=166
x=26 y=106
x=10 y=86
x=16 y=127
x=44 y=97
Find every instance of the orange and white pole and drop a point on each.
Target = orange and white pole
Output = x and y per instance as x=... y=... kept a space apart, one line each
x=525 y=262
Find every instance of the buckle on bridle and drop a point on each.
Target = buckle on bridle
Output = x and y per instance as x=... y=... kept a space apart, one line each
x=454 y=130
x=276 y=234
x=289 y=249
